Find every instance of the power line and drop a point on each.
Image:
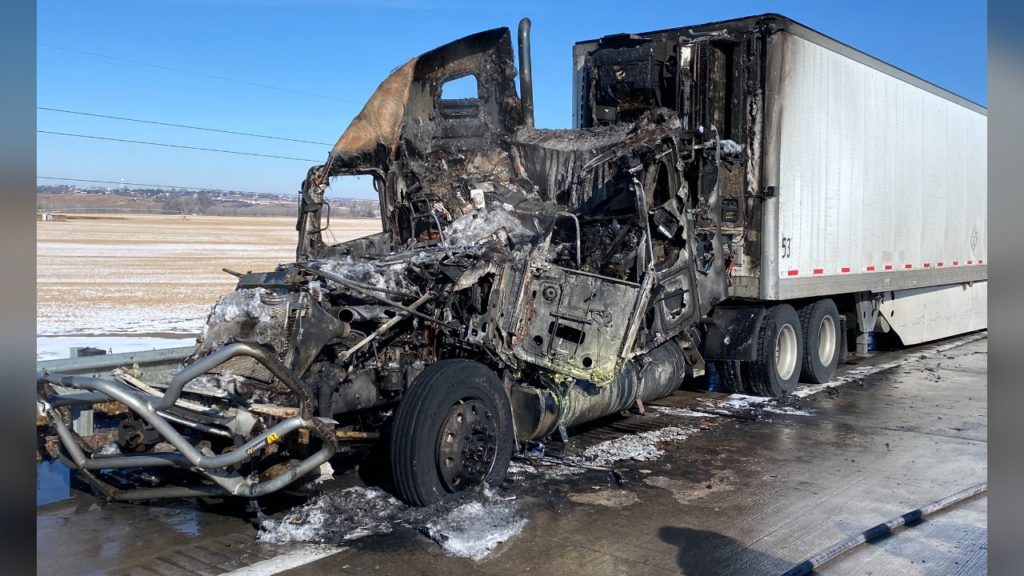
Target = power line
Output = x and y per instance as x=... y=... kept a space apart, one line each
x=95 y=115
x=147 y=185
x=194 y=73
x=175 y=146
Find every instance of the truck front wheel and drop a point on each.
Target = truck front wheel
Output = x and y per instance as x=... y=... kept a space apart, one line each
x=822 y=337
x=779 y=353
x=452 y=431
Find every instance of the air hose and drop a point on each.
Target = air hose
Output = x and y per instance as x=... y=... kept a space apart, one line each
x=910 y=518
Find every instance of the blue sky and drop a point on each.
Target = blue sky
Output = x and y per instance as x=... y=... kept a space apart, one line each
x=342 y=49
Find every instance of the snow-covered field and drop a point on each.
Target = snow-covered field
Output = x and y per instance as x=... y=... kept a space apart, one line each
x=154 y=275
x=55 y=347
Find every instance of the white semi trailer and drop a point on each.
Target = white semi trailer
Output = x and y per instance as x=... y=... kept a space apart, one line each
x=863 y=184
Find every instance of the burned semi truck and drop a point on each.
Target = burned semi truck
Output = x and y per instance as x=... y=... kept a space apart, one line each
x=738 y=194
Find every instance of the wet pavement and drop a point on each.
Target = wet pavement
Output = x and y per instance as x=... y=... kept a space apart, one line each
x=725 y=485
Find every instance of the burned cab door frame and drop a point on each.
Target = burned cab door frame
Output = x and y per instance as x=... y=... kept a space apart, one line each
x=578 y=323
x=674 y=301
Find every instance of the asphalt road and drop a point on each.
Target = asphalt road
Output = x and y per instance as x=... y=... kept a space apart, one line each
x=753 y=490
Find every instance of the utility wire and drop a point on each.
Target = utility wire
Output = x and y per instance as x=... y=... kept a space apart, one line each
x=149 y=185
x=194 y=73
x=95 y=115
x=175 y=146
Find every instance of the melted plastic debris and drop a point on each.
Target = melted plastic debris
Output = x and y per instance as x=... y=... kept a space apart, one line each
x=242 y=305
x=474 y=529
x=217 y=385
x=730 y=147
x=238 y=305
x=326 y=472
x=378 y=274
x=335 y=517
x=470 y=525
x=640 y=447
x=109 y=449
x=478 y=226
x=518 y=470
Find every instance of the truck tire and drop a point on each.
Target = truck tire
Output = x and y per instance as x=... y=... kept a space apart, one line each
x=778 y=353
x=452 y=431
x=730 y=376
x=822 y=341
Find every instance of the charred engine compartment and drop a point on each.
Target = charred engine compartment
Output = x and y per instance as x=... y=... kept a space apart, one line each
x=559 y=258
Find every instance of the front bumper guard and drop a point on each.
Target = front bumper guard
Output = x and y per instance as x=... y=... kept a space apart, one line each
x=153 y=409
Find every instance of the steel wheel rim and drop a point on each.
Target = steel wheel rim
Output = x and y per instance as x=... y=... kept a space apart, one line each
x=826 y=340
x=785 y=352
x=466 y=445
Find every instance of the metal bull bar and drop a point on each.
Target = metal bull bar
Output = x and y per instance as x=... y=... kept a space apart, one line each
x=153 y=409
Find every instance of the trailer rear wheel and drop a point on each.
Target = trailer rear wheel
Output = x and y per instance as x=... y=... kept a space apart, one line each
x=822 y=338
x=778 y=353
x=452 y=431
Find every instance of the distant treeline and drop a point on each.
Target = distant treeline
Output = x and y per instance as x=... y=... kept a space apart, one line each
x=202 y=202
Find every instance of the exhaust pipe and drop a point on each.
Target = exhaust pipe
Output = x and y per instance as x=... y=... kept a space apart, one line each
x=525 y=73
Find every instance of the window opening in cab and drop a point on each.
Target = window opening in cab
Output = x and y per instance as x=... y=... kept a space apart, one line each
x=460 y=98
x=351 y=196
x=464 y=88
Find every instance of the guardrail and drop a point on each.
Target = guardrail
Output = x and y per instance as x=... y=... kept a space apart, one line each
x=157 y=366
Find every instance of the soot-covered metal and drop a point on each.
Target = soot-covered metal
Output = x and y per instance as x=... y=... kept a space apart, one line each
x=568 y=269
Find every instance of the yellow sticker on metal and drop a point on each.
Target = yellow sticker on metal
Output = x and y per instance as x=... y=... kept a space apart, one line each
x=272 y=438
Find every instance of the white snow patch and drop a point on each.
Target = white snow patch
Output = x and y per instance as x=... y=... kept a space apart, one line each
x=681 y=412
x=640 y=447
x=474 y=529
x=785 y=410
x=861 y=372
x=743 y=401
x=760 y=403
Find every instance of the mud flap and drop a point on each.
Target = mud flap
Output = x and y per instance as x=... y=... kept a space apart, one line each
x=731 y=333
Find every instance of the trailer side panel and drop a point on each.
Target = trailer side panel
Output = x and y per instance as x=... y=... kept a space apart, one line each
x=881 y=184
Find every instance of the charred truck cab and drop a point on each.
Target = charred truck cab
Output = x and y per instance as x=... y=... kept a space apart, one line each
x=526 y=280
